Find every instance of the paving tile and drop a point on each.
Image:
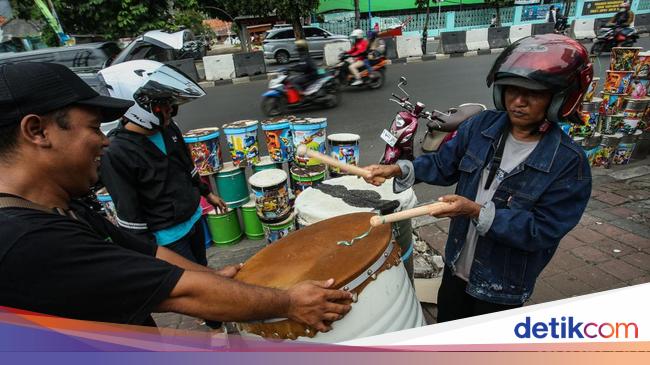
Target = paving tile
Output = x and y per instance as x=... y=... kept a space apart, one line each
x=588 y=220
x=570 y=242
x=621 y=269
x=586 y=235
x=635 y=241
x=636 y=228
x=609 y=230
x=640 y=280
x=614 y=248
x=620 y=211
x=590 y=254
x=568 y=285
x=443 y=225
x=543 y=293
x=603 y=216
x=564 y=261
x=640 y=260
x=612 y=199
x=596 y=278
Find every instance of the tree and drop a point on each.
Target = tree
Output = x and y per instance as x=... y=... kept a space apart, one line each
x=357 y=15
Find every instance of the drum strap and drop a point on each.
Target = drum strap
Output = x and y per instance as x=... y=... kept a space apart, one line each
x=16 y=202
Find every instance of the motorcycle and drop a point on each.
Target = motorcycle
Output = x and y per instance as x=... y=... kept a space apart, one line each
x=611 y=36
x=372 y=78
x=562 y=25
x=282 y=95
x=399 y=138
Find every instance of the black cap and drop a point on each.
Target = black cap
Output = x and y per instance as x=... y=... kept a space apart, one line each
x=40 y=88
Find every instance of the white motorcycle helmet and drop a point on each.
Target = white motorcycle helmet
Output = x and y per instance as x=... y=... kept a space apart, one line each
x=356 y=34
x=147 y=82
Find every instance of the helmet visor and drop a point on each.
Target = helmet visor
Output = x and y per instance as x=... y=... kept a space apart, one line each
x=170 y=85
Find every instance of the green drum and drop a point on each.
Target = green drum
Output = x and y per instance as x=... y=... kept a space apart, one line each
x=266 y=163
x=224 y=228
x=252 y=224
x=232 y=186
x=306 y=177
x=276 y=231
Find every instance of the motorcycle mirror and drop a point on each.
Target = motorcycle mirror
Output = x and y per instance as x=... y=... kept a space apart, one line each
x=402 y=80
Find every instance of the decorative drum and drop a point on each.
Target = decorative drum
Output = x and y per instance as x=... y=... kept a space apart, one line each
x=566 y=128
x=107 y=205
x=625 y=149
x=591 y=90
x=266 y=163
x=642 y=69
x=252 y=224
x=306 y=177
x=642 y=146
x=231 y=183
x=242 y=142
x=271 y=194
x=635 y=108
x=612 y=103
x=279 y=140
x=639 y=89
x=345 y=148
x=624 y=58
x=591 y=146
x=278 y=230
x=349 y=194
x=203 y=145
x=611 y=124
x=370 y=269
x=312 y=133
x=608 y=145
x=618 y=82
x=224 y=228
x=589 y=116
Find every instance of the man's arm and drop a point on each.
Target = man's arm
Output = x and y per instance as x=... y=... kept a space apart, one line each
x=203 y=295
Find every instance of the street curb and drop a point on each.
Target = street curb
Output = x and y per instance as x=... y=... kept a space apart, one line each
x=405 y=60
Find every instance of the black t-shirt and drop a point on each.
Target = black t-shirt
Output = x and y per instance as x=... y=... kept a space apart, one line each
x=84 y=269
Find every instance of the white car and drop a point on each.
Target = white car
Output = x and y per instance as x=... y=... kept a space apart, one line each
x=279 y=43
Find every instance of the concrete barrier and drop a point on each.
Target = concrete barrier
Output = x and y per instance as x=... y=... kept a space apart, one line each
x=453 y=42
x=583 y=29
x=642 y=23
x=391 y=48
x=477 y=39
x=599 y=23
x=187 y=66
x=543 y=28
x=249 y=64
x=221 y=67
x=333 y=50
x=408 y=46
x=498 y=37
x=520 y=31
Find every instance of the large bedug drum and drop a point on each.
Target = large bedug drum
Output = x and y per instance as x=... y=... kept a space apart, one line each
x=370 y=268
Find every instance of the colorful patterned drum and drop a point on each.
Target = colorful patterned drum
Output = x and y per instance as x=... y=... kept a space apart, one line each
x=108 y=207
x=624 y=58
x=266 y=163
x=242 y=142
x=611 y=124
x=608 y=146
x=306 y=177
x=642 y=68
x=612 y=103
x=312 y=133
x=279 y=140
x=271 y=194
x=204 y=148
x=224 y=228
x=618 y=82
x=593 y=85
x=625 y=149
x=639 y=89
x=231 y=183
x=589 y=116
x=591 y=146
x=345 y=148
x=252 y=224
x=370 y=269
x=635 y=108
x=278 y=230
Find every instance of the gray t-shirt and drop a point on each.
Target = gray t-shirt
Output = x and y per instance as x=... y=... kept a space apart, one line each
x=514 y=153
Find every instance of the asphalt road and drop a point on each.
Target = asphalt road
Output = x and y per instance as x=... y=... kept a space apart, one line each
x=438 y=84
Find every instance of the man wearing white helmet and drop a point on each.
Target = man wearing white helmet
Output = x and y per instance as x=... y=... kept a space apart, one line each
x=147 y=169
x=358 y=50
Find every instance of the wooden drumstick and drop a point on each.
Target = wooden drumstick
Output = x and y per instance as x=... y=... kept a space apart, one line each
x=302 y=150
x=407 y=214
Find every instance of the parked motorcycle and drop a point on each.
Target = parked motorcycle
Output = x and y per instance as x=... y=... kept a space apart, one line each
x=373 y=78
x=611 y=36
x=282 y=95
x=399 y=138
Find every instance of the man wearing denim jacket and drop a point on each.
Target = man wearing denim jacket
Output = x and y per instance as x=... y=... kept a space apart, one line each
x=522 y=184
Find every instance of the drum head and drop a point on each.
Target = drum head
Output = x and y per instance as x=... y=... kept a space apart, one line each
x=312 y=253
x=344 y=137
x=268 y=178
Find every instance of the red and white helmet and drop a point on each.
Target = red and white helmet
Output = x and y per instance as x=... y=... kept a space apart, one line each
x=550 y=62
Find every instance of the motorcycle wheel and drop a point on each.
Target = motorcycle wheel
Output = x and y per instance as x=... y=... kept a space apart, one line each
x=378 y=81
x=334 y=95
x=597 y=48
x=273 y=106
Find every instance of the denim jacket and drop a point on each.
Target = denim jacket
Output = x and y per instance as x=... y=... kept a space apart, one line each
x=536 y=204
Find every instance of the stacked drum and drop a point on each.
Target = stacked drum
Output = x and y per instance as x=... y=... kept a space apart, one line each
x=613 y=129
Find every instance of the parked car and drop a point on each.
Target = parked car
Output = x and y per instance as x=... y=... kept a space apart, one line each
x=157 y=45
x=279 y=43
x=79 y=58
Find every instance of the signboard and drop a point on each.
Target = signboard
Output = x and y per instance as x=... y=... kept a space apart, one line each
x=593 y=7
x=538 y=12
x=340 y=16
x=527 y=2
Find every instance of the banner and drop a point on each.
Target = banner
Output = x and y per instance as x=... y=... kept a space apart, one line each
x=527 y=2
x=52 y=21
x=593 y=7
x=538 y=12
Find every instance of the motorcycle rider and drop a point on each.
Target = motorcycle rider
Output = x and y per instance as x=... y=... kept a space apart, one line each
x=147 y=168
x=358 y=50
x=376 y=48
x=623 y=19
x=306 y=68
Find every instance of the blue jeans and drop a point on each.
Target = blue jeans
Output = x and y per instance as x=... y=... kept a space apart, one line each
x=192 y=245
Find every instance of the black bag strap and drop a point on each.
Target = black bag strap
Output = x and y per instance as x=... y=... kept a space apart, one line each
x=16 y=202
x=496 y=159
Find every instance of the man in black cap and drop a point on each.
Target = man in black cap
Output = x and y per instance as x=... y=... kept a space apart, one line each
x=60 y=258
